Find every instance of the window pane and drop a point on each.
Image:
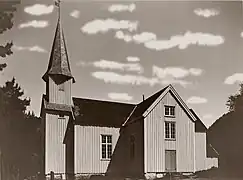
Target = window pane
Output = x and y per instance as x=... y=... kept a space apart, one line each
x=103 y=139
x=172 y=111
x=167 y=130
x=109 y=139
x=167 y=110
x=109 y=150
x=173 y=133
x=103 y=151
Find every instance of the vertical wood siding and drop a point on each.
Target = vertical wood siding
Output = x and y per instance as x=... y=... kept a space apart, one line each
x=155 y=144
x=87 y=148
x=200 y=151
x=54 y=147
x=60 y=97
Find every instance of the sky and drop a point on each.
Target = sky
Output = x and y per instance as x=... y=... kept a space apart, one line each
x=120 y=50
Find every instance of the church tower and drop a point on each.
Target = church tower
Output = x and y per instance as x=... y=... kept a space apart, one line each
x=56 y=108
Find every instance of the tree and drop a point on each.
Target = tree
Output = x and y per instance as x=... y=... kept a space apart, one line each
x=235 y=102
x=19 y=130
x=6 y=15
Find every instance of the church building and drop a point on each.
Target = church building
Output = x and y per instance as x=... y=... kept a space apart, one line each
x=91 y=137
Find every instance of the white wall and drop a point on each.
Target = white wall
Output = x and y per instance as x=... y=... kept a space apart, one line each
x=154 y=140
x=87 y=148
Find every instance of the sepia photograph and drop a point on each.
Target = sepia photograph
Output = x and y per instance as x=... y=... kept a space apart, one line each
x=121 y=90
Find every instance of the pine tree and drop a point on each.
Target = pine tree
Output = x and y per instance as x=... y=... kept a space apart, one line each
x=6 y=16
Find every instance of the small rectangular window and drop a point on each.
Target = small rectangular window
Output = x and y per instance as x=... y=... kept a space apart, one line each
x=170 y=111
x=106 y=146
x=170 y=130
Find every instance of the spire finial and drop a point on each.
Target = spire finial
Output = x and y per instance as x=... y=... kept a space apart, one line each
x=58 y=4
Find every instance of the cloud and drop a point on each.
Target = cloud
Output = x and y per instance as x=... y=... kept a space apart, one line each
x=151 y=41
x=206 y=12
x=197 y=100
x=235 y=78
x=125 y=37
x=175 y=72
x=121 y=7
x=133 y=59
x=101 y=25
x=39 y=9
x=34 y=24
x=128 y=79
x=137 y=38
x=144 y=37
x=112 y=77
x=207 y=116
x=183 y=41
x=31 y=48
x=113 y=65
x=120 y=96
x=75 y=14
x=241 y=34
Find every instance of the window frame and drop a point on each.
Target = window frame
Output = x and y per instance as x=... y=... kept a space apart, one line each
x=172 y=136
x=170 y=110
x=107 y=144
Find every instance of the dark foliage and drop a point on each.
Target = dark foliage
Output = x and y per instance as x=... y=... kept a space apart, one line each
x=19 y=130
x=235 y=102
x=6 y=22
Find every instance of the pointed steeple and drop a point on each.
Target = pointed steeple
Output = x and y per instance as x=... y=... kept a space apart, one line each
x=58 y=63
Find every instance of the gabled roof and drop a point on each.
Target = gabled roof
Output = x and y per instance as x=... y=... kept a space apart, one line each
x=143 y=109
x=144 y=105
x=100 y=113
x=58 y=63
x=200 y=127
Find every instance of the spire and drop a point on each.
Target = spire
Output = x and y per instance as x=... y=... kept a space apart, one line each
x=58 y=63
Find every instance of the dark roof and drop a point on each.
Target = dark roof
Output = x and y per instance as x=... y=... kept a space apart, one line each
x=144 y=105
x=89 y=112
x=200 y=127
x=58 y=63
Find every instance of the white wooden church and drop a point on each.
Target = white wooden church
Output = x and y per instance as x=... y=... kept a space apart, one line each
x=87 y=137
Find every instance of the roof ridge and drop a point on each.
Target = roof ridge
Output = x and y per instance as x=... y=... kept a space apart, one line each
x=105 y=101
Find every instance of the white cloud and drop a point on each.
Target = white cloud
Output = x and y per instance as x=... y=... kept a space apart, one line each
x=121 y=7
x=112 y=77
x=195 y=71
x=206 y=12
x=151 y=41
x=241 y=34
x=207 y=116
x=183 y=41
x=101 y=25
x=104 y=64
x=113 y=65
x=35 y=24
x=235 y=78
x=75 y=14
x=120 y=96
x=175 y=72
x=39 y=9
x=128 y=79
x=144 y=37
x=125 y=37
x=31 y=48
x=197 y=100
x=133 y=59
x=137 y=38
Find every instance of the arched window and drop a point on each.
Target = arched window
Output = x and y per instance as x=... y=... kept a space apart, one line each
x=132 y=146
